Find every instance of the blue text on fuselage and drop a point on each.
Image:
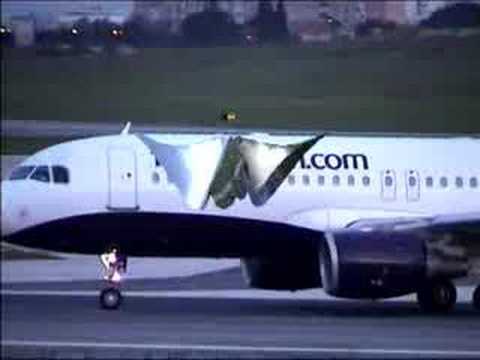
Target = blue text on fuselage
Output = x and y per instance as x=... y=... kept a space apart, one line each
x=335 y=161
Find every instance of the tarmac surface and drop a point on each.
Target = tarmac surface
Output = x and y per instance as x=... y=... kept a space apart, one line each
x=177 y=308
x=55 y=128
x=213 y=314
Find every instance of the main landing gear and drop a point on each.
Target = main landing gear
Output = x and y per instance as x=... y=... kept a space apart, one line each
x=115 y=265
x=440 y=296
x=437 y=296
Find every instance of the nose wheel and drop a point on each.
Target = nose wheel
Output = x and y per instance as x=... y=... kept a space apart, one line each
x=110 y=298
x=437 y=296
x=115 y=265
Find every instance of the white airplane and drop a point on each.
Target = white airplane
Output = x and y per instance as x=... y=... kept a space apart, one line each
x=361 y=216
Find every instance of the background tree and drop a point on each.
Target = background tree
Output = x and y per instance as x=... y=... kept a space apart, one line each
x=265 y=21
x=271 y=25
x=142 y=33
x=281 y=27
x=82 y=34
x=210 y=27
x=7 y=39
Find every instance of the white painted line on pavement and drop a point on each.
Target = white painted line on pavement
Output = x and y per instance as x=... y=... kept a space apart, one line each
x=314 y=294
x=208 y=294
x=239 y=348
x=89 y=268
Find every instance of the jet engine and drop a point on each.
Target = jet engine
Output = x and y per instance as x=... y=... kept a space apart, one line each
x=296 y=271
x=383 y=264
x=362 y=264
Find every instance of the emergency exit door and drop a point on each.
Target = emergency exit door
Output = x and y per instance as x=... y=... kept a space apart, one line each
x=122 y=173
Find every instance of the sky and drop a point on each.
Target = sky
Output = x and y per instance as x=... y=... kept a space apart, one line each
x=44 y=8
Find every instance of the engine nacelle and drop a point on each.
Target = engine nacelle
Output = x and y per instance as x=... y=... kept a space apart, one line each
x=356 y=264
x=362 y=264
x=295 y=272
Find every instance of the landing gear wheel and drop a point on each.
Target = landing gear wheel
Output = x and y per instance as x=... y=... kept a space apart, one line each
x=476 y=298
x=437 y=296
x=110 y=298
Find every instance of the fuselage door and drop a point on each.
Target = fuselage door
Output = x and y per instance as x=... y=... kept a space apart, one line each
x=389 y=185
x=412 y=181
x=122 y=173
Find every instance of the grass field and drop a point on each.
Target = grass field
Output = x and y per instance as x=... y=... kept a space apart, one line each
x=427 y=88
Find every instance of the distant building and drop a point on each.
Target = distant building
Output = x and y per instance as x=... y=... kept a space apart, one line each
x=310 y=20
x=301 y=15
x=387 y=11
x=314 y=31
x=23 y=29
x=63 y=14
x=320 y=21
x=344 y=14
x=303 y=20
x=66 y=20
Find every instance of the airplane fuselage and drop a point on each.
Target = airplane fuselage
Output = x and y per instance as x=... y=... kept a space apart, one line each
x=118 y=192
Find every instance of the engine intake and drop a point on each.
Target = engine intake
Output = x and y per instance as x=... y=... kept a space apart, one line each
x=297 y=271
x=357 y=264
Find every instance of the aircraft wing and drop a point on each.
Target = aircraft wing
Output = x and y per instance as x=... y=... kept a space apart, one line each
x=466 y=222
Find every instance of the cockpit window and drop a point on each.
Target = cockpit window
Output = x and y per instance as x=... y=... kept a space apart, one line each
x=41 y=173
x=60 y=175
x=21 y=172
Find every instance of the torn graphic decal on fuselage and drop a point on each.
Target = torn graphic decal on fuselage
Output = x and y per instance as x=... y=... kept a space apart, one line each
x=228 y=168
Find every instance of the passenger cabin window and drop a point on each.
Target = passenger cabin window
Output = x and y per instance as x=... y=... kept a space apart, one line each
x=321 y=180
x=366 y=181
x=21 y=172
x=351 y=180
x=473 y=182
x=459 y=182
x=60 y=175
x=412 y=181
x=306 y=180
x=336 y=180
x=429 y=181
x=41 y=173
x=443 y=182
x=388 y=181
x=291 y=180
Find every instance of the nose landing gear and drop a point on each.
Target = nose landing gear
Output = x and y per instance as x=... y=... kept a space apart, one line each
x=115 y=265
x=110 y=298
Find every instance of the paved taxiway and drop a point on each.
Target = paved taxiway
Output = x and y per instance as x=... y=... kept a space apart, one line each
x=52 y=128
x=58 y=319
x=50 y=309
